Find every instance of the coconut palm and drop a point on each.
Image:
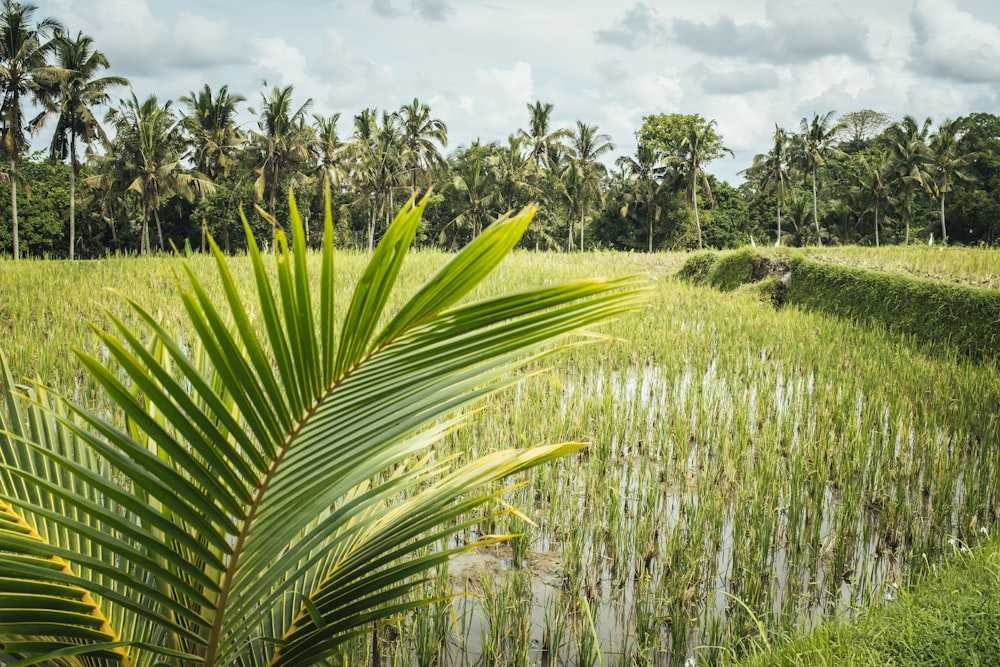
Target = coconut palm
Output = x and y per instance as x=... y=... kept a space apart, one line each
x=24 y=73
x=282 y=142
x=511 y=167
x=874 y=184
x=474 y=182
x=378 y=153
x=75 y=91
x=274 y=493
x=813 y=147
x=645 y=183
x=910 y=158
x=587 y=144
x=772 y=168
x=212 y=131
x=698 y=146
x=420 y=136
x=332 y=154
x=946 y=164
x=542 y=139
x=145 y=161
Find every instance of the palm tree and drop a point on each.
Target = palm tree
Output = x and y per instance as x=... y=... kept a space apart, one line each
x=814 y=146
x=542 y=139
x=474 y=182
x=645 y=184
x=946 y=163
x=420 y=132
x=332 y=154
x=283 y=143
x=272 y=496
x=587 y=144
x=24 y=72
x=910 y=158
x=377 y=148
x=144 y=160
x=699 y=145
x=211 y=127
x=773 y=170
x=874 y=183
x=75 y=92
x=511 y=167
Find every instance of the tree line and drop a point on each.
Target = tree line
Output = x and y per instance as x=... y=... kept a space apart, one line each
x=144 y=175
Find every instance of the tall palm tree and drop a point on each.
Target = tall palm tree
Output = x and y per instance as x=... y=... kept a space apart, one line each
x=814 y=146
x=910 y=158
x=24 y=72
x=272 y=496
x=587 y=144
x=377 y=147
x=332 y=154
x=874 y=183
x=947 y=161
x=283 y=143
x=542 y=139
x=76 y=90
x=145 y=160
x=419 y=134
x=210 y=124
x=699 y=145
x=475 y=184
x=772 y=168
x=645 y=183
x=512 y=166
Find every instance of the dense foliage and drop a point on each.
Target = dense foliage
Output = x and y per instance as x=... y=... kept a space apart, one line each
x=166 y=174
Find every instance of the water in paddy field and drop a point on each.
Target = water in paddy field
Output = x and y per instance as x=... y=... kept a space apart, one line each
x=709 y=510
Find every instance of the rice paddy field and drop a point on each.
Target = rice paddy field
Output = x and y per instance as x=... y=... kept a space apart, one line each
x=750 y=472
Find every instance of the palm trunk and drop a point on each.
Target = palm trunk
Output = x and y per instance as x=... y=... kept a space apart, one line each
x=582 y=224
x=779 y=222
x=13 y=207
x=697 y=218
x=876 y=224
x=909 y=215
x=650 y=234
x=159 y=228
x=944 y=231
x=819 y=236
x=569 y=240
x=72 y=195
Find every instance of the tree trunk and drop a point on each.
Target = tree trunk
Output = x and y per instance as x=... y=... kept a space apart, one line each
x=697 y=218
x=778 y=243
x=876 y=224
x=582 y=225
x=159 y=228
x=72 y=195
x=651 y=235
x=909 y=215
x=944 y=231
x=13 y=209
x=819 y=236
x=569 y=240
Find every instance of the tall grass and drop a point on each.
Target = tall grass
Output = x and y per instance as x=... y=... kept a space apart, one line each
x=750 y=471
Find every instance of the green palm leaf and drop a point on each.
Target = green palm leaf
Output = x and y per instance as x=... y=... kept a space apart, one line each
x=272 y=494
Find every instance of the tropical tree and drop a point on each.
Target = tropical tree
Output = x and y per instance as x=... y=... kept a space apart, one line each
x=586 y=145
x=910 y=157
x=542 y=138
x=73 y=94
x=332 y=154
x=947 y=163
x=812 y=148
x=419 y=134
x=699 y=145
x=379 y=163
x=273 y=495
x=511 y=167
x=145 y=161
x=645 y=183
x=478 y=196
x=24 y=72
x=772 y=170
x=874 y=184
x=210 y=124
x=282 y=143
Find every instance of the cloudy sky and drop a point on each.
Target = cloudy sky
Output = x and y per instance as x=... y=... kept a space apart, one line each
x=748 y=64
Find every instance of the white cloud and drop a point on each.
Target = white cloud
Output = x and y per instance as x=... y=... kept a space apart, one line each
x=953 y=44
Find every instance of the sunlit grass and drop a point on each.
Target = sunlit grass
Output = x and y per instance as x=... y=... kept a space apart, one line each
x=750 y=471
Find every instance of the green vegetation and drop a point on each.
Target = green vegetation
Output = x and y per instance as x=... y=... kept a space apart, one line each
x=950 y=620
x=795 y=461
x=265 y=495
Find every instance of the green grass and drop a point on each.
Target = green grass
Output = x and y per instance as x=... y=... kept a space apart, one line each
x=951 y=619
